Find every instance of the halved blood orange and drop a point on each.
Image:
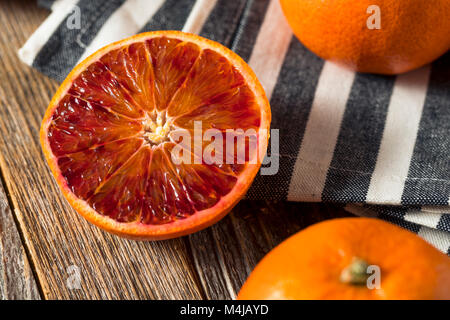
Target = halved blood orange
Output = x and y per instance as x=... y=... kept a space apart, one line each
x=109 y=134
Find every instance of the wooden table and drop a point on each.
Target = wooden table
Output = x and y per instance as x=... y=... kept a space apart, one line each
x=44 y=244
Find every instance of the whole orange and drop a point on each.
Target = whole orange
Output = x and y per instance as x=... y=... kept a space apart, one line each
x=351 y=258
x=376 y=36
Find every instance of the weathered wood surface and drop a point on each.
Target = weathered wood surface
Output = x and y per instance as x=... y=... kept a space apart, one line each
x=210 y=264
x=16 y=278
x=226 y=253
x=60 y=242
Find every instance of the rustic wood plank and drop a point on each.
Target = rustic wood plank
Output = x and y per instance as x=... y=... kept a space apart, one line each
x=16 y=278
x=226 y=253
x=61 y=243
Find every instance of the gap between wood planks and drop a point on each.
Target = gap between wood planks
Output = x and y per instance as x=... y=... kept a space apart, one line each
x=17 y=274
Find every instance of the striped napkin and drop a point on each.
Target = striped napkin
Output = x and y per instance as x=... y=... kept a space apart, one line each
x=378 y=145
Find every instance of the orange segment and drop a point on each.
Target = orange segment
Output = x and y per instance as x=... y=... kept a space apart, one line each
x=77 y=125
x=109 y=134
x=232 y=109
x=172 y=61
x=120 y=197
x=83 y=177
x=131 y=67
x=204 y=184
x=212 y=75
x=98 y=85
x=166 y=198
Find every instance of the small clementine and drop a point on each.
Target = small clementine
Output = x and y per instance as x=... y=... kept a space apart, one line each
x=406 y=34
x=330 y=260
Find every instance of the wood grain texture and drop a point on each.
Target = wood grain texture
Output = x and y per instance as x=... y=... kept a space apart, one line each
x=16 y=278
x=61 y=245
x=60 y=242
x=226 y=253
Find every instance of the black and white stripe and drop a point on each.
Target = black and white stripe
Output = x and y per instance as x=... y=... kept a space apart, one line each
x=46 y=3
x=301 y=68
x=321 y=133
x=179 y=13
x=378 y=144
x=399 y=136
x=225 y=13
x=66 y=46
x=431 y=183
x=356 y=150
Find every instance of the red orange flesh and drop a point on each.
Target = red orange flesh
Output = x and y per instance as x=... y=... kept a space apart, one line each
x=108 y=134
